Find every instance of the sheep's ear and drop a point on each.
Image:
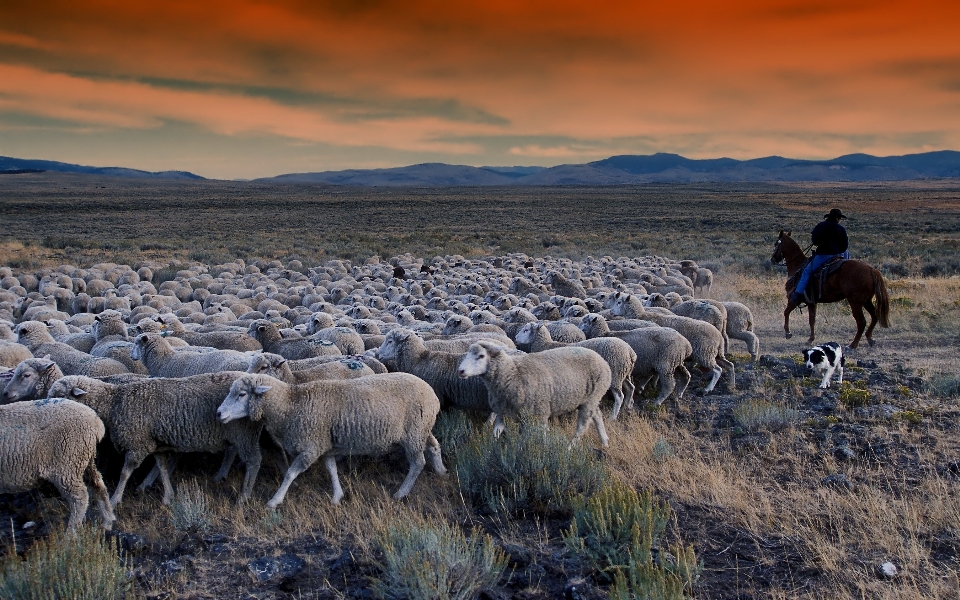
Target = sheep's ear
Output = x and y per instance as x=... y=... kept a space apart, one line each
x=48 y=366
x=261 y=327
x=262 y=389
x=96 y=318
x=279 y=361
x=78 y=391
x=47 y=357
x=142 y=338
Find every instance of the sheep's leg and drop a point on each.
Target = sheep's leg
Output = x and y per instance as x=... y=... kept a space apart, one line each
x=300 y=464
x=228 y=457
x=165 y=478
x=628 y=390
x=726 y=364
x=683 y=377
x=617 y=393
x=75 y=493
x=715 y=377
x=130 y=462
x=433 y=455
x=498 y=425
x=155 y=472
x=491 y=419
x=601 y=430
x=252 y=459
x=417 y=461
x=667 y=385
x=100 y=495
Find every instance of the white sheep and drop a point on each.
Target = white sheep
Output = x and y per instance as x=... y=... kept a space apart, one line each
x=277 y=366
x=12 y=354
x=222 y=340
x=31 y=380
x=53 y=440
x=267 y=333
x=620 y=357
x=409 y=354
x=34 y=335
x=661 y=352
x=535 y=387
x=162 y=360
x=706 y=341
x=330 y=419
x=740 y=327
x=157 y=415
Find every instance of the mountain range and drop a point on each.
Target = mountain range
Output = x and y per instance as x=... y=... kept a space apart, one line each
x=625 y=169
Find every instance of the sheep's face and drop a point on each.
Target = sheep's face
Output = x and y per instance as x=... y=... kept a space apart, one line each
x=619 y=306
x=66 y=387
x=244 y=400
x=475 y=362
x=390 y=347
x=526 y=333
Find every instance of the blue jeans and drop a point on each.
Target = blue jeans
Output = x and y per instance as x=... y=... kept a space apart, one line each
x=818 y=261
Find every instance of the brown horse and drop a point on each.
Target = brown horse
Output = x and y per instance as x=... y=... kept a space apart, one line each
x=856 y=281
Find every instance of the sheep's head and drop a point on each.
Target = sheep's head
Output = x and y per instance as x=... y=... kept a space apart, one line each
x=527 y=333
x=390 y=348
x=477 y=359
x=72 y=387
x=28 y=379
x=245 y=399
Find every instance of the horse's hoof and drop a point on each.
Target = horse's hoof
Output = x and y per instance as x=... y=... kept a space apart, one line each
x=869 y=342
x=788 y=335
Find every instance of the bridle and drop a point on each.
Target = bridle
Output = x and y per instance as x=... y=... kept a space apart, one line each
x=783 y=257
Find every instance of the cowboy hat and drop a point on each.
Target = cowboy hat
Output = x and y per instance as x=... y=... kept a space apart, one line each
x=835 y=214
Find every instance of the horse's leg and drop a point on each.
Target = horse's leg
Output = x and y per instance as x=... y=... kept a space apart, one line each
x=812 y=317
x=873 y=319
x=857 y=309
x=786 y=319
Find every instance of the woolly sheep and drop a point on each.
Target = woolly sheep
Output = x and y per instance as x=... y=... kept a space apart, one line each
x=62 y=332
x=565 y=286
x=409 y=354
x=706 y=341
x=740 y=327
x=222 y=340
x=31 y=380
x=12 y=354
x=538 y=386
x=163 y=361
x=620 y=357
x=34 y=335
x=277 y=366
x=110 y=332
x=344 y=338
x=268 y=335
x=708 y=311
x=330 y=419
x=53 y=440
x=660 y=351
x=157 y=415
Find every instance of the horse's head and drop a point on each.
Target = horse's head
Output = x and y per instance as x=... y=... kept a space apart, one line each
x=778 y=257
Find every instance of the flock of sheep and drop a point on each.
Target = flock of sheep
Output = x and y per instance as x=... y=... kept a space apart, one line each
x=332 y=361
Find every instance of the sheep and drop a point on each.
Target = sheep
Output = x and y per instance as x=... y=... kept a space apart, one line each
x=565 y=286
x=61 y=332
x=34 y=335
x=344 y=338
x=740 y=327
x=148 y=325
x=538 y=386
x=310 y=363
x=620 y=357
x=110 y=333
x=409 y=354
x=163 y=361
x=275 y=365
x=222 y=340
x=31 y=380
x=156 y=415
x=709 y=311
x=268 y=335
x=706 y=341
x=661 y=352
x=53 y=440
x=329 y=419
x=12 y=354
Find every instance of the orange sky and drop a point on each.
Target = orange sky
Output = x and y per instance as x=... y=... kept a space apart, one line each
x=242 y=88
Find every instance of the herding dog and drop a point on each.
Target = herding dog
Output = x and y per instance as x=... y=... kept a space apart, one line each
x=825 y=358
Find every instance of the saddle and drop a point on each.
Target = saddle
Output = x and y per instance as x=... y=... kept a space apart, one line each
x=818 y=279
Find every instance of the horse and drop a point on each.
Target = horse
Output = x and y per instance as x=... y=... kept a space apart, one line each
x=855 y=281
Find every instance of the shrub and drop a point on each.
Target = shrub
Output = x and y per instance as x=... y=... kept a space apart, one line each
x=188 y=511
x=452 y=429
x=854 y=396
x=946 y=385
x=436 y=563
x=756 y=415
x=534 y=469
x=79 y=565
x=618 y=532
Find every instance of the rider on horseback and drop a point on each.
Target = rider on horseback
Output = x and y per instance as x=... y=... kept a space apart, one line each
x=830 y=238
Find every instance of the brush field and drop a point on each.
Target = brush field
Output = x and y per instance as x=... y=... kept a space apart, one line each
x=782 y=490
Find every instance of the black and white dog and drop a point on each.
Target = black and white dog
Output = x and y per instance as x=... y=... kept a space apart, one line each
x=825 y=358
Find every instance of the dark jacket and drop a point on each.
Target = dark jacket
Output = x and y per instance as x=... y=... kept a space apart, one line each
x=829 y=237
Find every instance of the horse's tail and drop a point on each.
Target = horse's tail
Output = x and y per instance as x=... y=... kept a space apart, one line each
x=883 y=299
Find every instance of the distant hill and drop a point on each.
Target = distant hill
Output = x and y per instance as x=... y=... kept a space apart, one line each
x=12 y=166
x=661 y=167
